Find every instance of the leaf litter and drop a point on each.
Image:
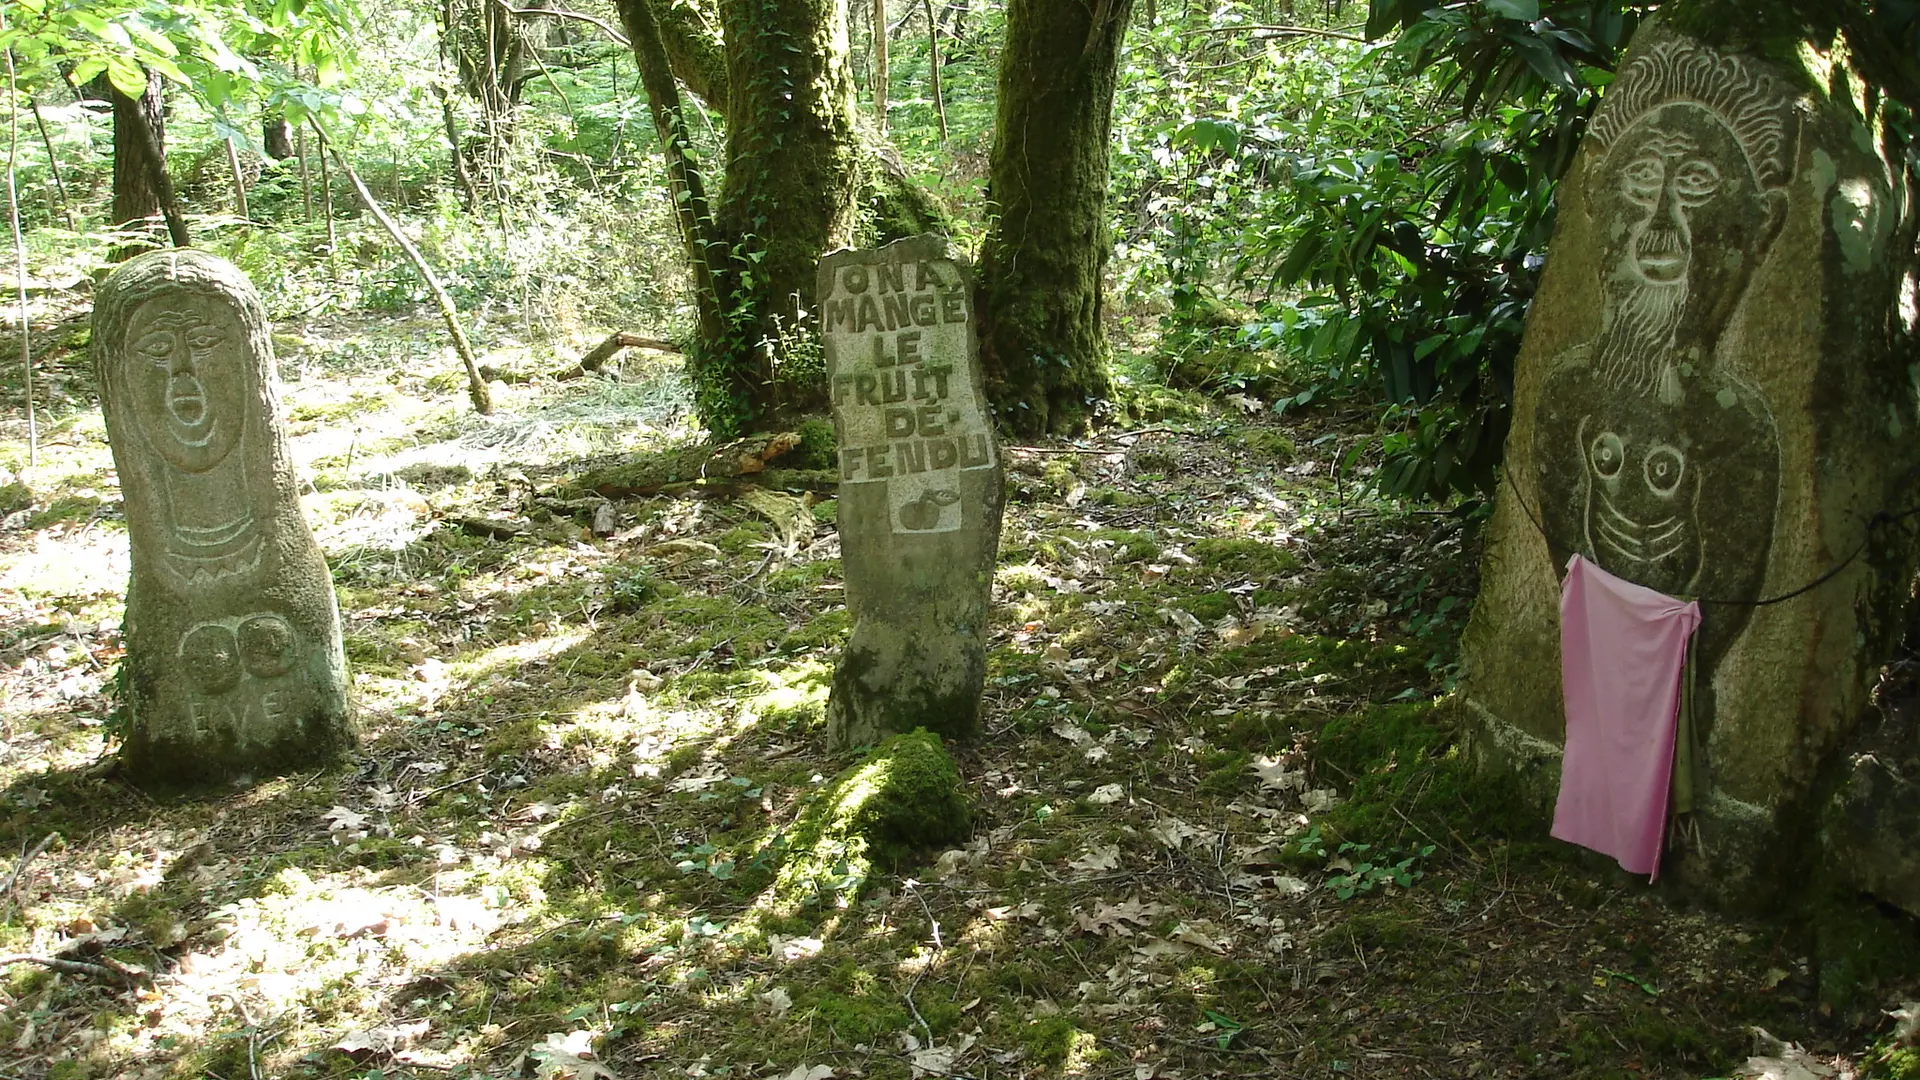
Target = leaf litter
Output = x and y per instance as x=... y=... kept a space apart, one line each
x=571 y=732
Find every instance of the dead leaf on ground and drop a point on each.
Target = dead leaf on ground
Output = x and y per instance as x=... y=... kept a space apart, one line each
x=379 y=1042
x=1118 y=920
x=1098 y=859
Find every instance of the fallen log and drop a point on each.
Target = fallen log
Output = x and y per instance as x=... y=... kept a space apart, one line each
x=597 y=357
x=651 y=474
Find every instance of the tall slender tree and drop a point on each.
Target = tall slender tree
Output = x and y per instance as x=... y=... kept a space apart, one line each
x=141 y=185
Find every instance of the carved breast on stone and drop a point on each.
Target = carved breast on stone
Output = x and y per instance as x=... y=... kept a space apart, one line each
x=1659 y=461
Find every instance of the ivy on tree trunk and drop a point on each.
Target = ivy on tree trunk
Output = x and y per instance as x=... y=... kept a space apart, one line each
x=1040 y=305
x=789 y=195
x=799 y=168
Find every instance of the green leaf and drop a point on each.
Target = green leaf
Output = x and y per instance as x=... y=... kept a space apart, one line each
x=126 y=76
x=153 y=39
x=87 y=69
x=1523 y=10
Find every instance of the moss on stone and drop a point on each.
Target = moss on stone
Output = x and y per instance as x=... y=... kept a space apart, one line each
x=903 y=796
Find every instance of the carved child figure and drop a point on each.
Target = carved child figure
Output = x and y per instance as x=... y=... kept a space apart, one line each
x=234 y=666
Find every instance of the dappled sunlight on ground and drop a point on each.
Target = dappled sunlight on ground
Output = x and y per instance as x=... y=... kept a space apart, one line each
x=1220 y=825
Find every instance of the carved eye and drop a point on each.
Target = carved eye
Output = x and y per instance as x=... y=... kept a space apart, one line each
x=1607 y=455
x=204 y=337
x=1664 y=467
x=156 y=346
x=1642 y=179
x=1696 y=181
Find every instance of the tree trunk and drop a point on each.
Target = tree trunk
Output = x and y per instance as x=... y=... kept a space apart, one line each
x=141 y=186
x=798 y=166
x=693 y=215
x=791 y=183
x=1042 y=342
x=239 y=181
x=880 y=79
x=933 y=67
x=276 y=136
x=896 y=207
x=690 y=36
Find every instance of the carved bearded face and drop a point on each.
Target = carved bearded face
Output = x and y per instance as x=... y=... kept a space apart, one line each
x=187 y=375
x=1685 y=222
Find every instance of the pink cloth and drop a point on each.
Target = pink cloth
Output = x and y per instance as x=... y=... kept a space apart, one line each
x=1623 y=648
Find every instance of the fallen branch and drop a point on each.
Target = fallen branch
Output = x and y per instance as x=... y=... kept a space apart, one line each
x=476 y=384
x=650 y=474
x=109 y=968
x=13 y=877
x=1304 y=31
x=597 y=357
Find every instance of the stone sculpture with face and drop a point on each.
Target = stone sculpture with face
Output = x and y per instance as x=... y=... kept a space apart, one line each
x=189 y=384
x=1658 y=461
x=234 y=665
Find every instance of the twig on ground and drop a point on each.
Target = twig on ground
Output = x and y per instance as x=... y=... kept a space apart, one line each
x=431 y=792
x=109 y=968
x=597 y=357
x=13 y=876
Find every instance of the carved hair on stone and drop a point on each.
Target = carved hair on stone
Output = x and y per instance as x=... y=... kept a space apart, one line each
x=1756 y=106
x=159 y=274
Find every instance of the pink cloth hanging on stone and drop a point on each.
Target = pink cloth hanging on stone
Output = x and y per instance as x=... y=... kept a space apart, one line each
x=1623 y=648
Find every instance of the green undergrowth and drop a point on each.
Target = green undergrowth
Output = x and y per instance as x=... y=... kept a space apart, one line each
x=1406 y=776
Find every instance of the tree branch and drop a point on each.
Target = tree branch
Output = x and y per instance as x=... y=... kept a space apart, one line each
x=1309 y=31
x=111 y=970
x=613 y=35
x=476 y=384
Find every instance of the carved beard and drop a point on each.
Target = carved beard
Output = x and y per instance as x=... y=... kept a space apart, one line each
x=1637 y=349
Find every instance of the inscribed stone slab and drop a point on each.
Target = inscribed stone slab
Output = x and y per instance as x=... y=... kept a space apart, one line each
x=920 y=489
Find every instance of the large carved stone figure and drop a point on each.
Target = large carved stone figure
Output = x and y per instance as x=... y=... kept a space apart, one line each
x=920 y=490
x=1660 y=462
x=1708 y=403
x=234 y=665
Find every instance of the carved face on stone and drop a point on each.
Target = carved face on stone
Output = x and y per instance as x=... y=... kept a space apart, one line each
x=1685 y=220
x=187 y=374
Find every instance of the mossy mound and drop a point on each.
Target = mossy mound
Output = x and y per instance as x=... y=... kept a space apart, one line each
x=1402 y=763
x=904 y=796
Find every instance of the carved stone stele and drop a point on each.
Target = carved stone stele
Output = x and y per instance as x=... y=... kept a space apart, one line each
x=233 y=667
x=920 y=490
x=1710 y=402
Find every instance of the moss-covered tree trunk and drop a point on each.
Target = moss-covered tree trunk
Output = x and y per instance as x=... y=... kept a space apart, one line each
x=788 y=197
x=1040 y=307
x=799 y=170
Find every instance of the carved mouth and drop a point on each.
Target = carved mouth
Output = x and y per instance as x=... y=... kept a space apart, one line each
x=1661 y=255
x=1649 y=542
x=187 y=400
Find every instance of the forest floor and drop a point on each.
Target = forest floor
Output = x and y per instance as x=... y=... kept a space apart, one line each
x=1222 y=822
